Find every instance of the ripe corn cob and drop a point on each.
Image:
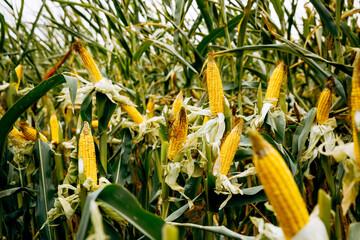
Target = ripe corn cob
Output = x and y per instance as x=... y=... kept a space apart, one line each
x=178 y=103
x=324 y=103
x=279 y=186
x=54 y=126
x=95 y=124
x=88 y=61
x=229 y=147
x=16 y=133
x=276 y=79
x=150 y=108
x=178 y=133
x=355 y=103
x=215 y=88
x=87 y=152
x=30 y=132
x=206 y=118
x=19 y=72
x=133 y=113
x=17 y=138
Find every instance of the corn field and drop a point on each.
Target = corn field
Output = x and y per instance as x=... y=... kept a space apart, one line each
x=180 y=119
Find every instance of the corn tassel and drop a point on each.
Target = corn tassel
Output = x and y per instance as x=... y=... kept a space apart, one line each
x=229 y=147
x=178 y=133
x=88 y=61
x=275 y=82
x=215 y=88
x=324 y=103
x=87 y=152
x=150 y=108
x=19 y=72
x=133 y=113
x=178 y=103
x=30 y=132
x=54 y=126
x=279 y=186
x=355 y=103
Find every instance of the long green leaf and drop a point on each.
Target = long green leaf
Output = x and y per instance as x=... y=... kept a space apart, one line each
x=326 y=18
x=301 y=133
x=216 y=229
x=126 y=205
x=45 y=199
x=11 y=115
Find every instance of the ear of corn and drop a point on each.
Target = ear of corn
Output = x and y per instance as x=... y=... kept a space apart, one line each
x=355 y=103
x=88 y=61
x=206 y=118
x=30 y=132
x=229 y=147
x=214 y=85
x=275 y=82
x=19 y=72
x=95 y=124
x=150 y=108
x=87 y=152
x=178 y=133
x=133 y=113
x=67 y=112
x=279 y=186
x=16 y=133
x=178 y=103
x=324 y=102
x=54 y=126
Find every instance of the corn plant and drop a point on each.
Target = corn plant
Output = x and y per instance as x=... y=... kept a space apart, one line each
x=180 y=119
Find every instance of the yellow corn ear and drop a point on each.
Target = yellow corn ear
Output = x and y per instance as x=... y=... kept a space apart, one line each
x=195 y=94
x=19 y=72
x=95 y=124
x=71 y=59
x=150 y=108
x=178 y=103
x=279 y=186
x=229 y=147
x=275 y=82
x=355 y=103
x=324 y=103
x=214 y=85
x=87 y=152
x=88 y=61
x=30 y=132
x=16 y=133
x=133 y=113
x=67 y=112
x=54 y=126
x=206 y=118
x=178 y=133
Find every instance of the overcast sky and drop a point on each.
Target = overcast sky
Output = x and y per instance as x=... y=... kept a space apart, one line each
x=32 y=7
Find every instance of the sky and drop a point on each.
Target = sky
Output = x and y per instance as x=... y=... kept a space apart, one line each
x=32 y=7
